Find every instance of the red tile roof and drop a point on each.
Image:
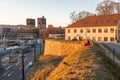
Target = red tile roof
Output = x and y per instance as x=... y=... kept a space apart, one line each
x=97 y=20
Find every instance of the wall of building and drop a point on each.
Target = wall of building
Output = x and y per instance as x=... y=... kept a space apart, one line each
x=41 y=22
x=91 y=35
x=30 y=22
x=54 y=47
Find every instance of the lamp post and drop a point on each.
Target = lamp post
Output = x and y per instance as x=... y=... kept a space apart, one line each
x=23 y=73
x=40 y=46
x=34 y=52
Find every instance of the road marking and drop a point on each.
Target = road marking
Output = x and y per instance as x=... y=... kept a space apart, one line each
x=26 y=66
x=5 y=73
x=10 y=74
x=8 y=67
x=5 y=64
x=26 y=59
x=17 y=63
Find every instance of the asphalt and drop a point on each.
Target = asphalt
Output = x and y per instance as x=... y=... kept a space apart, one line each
x=13 y=70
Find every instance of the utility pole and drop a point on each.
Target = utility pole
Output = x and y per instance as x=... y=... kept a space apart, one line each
x=34 y=52
x=23 y=74
x=40 y=46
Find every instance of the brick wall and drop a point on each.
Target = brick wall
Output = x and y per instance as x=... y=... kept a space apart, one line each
x=54 y=47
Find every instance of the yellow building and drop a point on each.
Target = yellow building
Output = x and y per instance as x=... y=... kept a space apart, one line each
x=97 y=28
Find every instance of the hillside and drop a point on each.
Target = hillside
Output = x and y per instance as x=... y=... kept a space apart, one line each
x=84 y=64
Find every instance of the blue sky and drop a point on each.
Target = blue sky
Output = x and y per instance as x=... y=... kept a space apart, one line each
x=55 y=11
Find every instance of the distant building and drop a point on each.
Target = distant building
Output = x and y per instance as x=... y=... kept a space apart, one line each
x=51 y=32
x=30 y=22
x=8 y=31
x=28 y=33
x=102 y=28
x=41 y=23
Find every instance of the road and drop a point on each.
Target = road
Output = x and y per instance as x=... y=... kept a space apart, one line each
x=115 y=46
x=13 y=71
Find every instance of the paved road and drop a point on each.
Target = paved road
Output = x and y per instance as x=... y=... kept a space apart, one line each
x=13 y=71
x=115 y=46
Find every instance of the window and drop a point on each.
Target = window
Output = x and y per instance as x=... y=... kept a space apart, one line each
x=68 y=31
x=111 y=30
x=94 y=30
x=69 y=38
x=93 y=38
x=81 y=30
x=99 y=30
x=105 y=30
x=105 y=38
x=99 y=38
x=88 y=30
x=75 y=30
x=111 y=38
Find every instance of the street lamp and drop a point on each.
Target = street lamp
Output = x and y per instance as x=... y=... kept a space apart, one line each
x=40 y=46
x=23 y=72
x=22 y=55
x=34 y=52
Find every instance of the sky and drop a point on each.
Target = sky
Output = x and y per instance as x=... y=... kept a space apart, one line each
x=56 y=12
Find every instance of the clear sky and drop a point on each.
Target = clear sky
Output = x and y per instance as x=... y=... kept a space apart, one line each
x=55 y=11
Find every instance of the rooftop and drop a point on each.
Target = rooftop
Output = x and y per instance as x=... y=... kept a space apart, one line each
x=97 y=20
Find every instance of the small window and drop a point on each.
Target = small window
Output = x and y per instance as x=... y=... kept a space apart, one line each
x=105 y=38
x=112 y=30
x=99 y=38
x=111 y=38
x=88 y=30
x=68 y=31
x=81 y=30
x=93 y=38
x=69 y=38
x=105 y=30
x=99 y=30
x=94 y=30
x=75 y=30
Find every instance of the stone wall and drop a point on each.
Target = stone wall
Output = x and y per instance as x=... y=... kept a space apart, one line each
x=56 y=47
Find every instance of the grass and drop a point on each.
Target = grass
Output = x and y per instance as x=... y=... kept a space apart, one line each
x=85 y=64
x=109 y=64
x=81 y=65
x=44 y=66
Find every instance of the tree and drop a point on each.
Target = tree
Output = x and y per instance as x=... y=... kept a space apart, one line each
x=117 y=7
x=108 y=7
x=77 y=16
x=73 y=16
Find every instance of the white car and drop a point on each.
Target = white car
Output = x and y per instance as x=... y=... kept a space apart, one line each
x=30 y=64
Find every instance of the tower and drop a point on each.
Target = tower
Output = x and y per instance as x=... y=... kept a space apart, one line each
x=41 y=23
x=30 y=22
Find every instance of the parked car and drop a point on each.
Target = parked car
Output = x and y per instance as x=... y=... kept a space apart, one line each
x=30 y=64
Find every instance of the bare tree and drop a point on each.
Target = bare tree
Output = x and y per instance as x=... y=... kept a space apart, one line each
x=117 y=7
x=73 y=16
x=83 y=14
x=106 y=7
x=77 y=16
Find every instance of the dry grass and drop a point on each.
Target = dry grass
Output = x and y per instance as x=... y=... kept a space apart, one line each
x=82 y=65
x=85 y=64
x=44 y=66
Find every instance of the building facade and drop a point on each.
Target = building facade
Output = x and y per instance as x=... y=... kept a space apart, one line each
x=30 y=22
x=100 y=28
x=41 y=23
x=28 y=33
